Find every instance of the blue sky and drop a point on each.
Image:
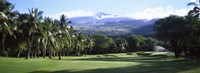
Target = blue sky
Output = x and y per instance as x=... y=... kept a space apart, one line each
x=132 y=8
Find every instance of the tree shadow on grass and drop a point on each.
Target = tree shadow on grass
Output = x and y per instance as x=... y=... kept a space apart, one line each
x=148 y=65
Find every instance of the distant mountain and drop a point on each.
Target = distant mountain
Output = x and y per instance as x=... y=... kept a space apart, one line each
x=112 y=25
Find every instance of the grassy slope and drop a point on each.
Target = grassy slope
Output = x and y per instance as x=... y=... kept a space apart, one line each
x=112 y=63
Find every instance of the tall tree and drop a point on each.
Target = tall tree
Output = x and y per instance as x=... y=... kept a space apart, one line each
x=174 y=30
x=6 y=21
x=64 y=36
x=47 y=37
x=196 y=9
x=80 y=43
x=33 y=21
x=89 y=44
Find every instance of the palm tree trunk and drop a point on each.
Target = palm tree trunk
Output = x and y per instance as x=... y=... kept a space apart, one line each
x=28 y=54
x=45 y=47
x=54 y=54
x=18 y=54
x=63 y=53
x=67 y=52
x=106 y=51
x=30 y=47
x=59 y=55
x=32 y=55
x=38 y=50
x=35 y=55
x=86 y=52
x=44 y=53
x=78 y=52
x=38 y=55
x=89 y=52
x=3 y=44
x=50 y=54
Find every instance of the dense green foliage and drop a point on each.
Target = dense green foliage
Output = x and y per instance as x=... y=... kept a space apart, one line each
x=140 y=43
x=132 y=43
x=102 y=43
x=32 y=35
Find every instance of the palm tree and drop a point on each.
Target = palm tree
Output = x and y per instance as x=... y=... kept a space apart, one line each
x=47 y=36
x=80 y=43
x=4 y=28
x=123 y=43
x=6 y=21
x=89 y=44
x=33 y=20
x=196 y=9
x=21 y=33
x=30 y=35
x=193 y=3
x=63 y=36
x=70 y=38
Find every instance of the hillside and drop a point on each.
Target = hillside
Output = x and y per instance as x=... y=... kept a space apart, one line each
x=112 y=25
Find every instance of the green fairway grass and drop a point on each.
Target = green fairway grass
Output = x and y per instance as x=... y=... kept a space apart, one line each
x=155 y=62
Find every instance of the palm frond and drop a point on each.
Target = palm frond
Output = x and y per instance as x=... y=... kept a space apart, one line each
x=192 y=3
x=3 y=16
x=7 y=28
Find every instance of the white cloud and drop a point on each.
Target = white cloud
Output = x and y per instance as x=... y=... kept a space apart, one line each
x=158 y=12
x=192 y=0
x=149 y=13
x=74 y=13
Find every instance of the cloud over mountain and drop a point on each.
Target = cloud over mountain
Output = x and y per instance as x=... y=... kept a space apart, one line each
x=148 y=13
x=74 y=13
x=158 y=12
x=192 y=0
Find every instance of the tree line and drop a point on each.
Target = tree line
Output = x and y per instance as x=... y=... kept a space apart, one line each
x=130 y=43
x=31 y=35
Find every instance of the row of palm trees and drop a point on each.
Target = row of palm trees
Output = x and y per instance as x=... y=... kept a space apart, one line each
x=33 y=36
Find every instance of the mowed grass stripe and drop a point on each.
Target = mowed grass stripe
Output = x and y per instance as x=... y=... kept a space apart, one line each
x=110 y=63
